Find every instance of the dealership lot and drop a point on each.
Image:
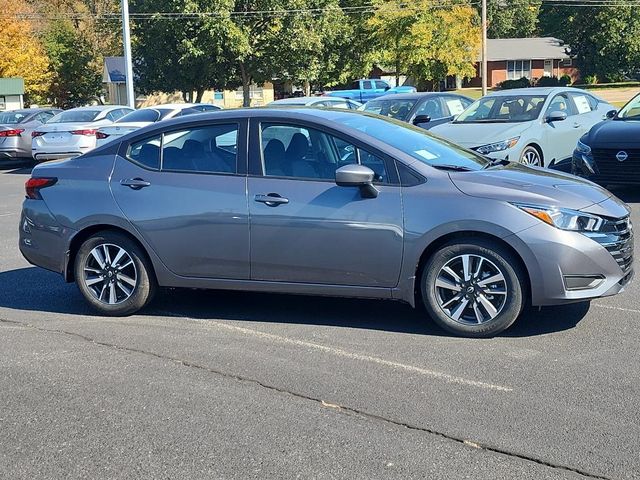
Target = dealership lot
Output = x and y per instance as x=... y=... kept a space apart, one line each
x=240 y=385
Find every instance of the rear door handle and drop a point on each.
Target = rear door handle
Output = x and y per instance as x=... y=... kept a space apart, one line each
x=271 y=199
x=135 y=183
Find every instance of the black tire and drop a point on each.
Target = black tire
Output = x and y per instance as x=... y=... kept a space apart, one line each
x=141 y=293
x=498 y=258
x=530 y=152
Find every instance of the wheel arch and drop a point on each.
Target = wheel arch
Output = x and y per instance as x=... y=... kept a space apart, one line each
x=535 y=144
x=469 y=235
x=81 y=236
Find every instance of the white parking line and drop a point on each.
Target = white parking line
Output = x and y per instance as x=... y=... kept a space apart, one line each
x=620 y=309
x=354 y=356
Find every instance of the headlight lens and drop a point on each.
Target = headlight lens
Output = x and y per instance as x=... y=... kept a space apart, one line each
x=498 y=146
x=583 y=148
x=564 y=218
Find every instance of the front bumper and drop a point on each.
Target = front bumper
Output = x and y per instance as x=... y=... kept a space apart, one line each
x=567 y=267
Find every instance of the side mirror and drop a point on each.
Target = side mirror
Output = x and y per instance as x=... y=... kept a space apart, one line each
x=556 y=116
x=387 y=88
x=421 y=119
x=611 y=113
x=355 y=175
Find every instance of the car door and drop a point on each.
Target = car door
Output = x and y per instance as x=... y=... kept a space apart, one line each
x=184 y=191
x=432 y=107
x=368 y=90
x=561 y=136
x=305 y=228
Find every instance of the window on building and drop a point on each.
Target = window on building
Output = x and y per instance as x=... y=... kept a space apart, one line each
x=566 y=62
x=516 y=69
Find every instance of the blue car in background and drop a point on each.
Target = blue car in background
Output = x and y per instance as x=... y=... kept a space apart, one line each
x=367 y=89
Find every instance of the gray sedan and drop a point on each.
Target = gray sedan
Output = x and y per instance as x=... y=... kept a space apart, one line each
x=318 y=102
x=16 y=127
x=327 y=202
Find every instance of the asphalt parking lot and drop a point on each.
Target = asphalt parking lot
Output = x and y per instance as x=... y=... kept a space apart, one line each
x=242 y=385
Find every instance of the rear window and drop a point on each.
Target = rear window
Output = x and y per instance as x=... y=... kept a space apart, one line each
x=142 y=115
x=8 y=118
x=73 y=116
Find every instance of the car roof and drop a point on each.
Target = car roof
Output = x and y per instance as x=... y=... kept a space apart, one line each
x=534 y=91
x=31 y=110
x=97 y=107
x=305 y=100
x=418 y=95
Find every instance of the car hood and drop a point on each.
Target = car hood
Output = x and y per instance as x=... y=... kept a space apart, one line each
x=518 y=183
x=615 y=133
x=476 y=134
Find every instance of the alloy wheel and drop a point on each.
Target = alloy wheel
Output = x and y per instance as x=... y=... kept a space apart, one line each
x=531 y=157
x=110 y=274
x=470 y=289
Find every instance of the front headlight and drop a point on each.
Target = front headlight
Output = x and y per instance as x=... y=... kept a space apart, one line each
x=583 y=148
x=564 y=218
x=498 y=146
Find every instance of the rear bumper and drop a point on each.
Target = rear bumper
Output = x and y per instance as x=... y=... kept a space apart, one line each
x=43 y=242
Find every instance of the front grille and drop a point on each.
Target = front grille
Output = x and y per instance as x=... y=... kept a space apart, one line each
x=616 y=235
x=610 y=169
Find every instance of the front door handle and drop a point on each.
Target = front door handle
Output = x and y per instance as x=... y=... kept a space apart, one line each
x=576 y=125
x=271 y=199
x=135 y=183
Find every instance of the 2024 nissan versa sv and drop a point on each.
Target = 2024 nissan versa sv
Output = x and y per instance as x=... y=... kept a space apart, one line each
x=323 y=202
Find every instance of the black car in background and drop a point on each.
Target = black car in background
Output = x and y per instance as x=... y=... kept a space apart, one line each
x=610 y=152
x=424 y=109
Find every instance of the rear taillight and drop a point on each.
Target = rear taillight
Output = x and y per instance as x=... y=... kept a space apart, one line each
x=101 y=135
x=37 y=134
x=34 y=185
x=88 y=132
x=11 y=133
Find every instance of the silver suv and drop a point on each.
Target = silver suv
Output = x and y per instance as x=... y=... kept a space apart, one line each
x=323 y=202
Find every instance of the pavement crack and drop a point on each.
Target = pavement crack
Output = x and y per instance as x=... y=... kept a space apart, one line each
x=323 y=403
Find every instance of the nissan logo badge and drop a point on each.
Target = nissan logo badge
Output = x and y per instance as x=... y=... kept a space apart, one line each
x=622 y=156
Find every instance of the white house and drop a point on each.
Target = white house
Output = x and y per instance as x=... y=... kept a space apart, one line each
x=11 y=93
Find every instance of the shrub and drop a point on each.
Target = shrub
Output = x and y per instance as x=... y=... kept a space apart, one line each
x=590 y=79
x=565 y=80
x=547 y=82
x=509 y=84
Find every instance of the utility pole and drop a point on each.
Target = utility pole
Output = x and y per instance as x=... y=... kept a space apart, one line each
x=484 y=47
x=126 y=40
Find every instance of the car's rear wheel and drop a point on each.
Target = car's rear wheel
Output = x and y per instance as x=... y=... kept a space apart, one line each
x=473 y=288
x=113 y=274
x=531 y=156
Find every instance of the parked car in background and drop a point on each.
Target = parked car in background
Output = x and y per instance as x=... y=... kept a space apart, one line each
x=16 y=127
x=148 y=115
x=535 y=126
x=324 y=101
x=610 y=152
x=73 y=132
x=367 y=89
x=425 y=109
x=323 y=201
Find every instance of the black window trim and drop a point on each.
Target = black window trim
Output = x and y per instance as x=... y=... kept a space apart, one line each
x=256 y=161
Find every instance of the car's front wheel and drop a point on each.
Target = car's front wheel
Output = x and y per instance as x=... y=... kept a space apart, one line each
x=113 y=274
x=473 y=288
x=531 y=156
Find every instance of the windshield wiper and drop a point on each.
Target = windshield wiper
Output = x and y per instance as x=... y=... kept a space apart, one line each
x=493 y=162
x=456 y=168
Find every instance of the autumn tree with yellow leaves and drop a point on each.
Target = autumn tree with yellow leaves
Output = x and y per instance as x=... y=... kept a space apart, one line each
x=427 y=39
x=21 y=53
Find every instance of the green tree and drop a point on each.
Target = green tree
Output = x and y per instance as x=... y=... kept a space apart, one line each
x=426 y=42
x=190 y=55
x=512 y=18
x=604 y=40
x=76 y=77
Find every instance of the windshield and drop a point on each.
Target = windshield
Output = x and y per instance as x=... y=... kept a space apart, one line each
x=143 y=115
x=630 y=110
x=503 y=109
x=398 y=109
x=414 y=141
x=75 y=116
x=9 y=118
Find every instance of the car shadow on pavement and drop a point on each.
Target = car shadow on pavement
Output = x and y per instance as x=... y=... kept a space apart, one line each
x=16 y=168
x=34 y=289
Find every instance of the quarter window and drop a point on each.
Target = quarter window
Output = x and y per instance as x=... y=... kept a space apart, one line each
x=146 y=152
x=211 y=149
